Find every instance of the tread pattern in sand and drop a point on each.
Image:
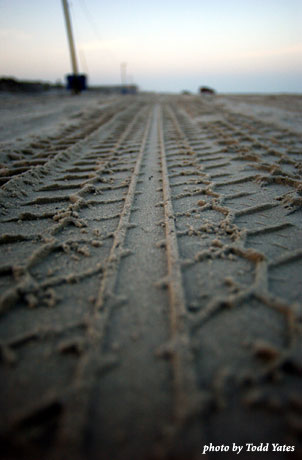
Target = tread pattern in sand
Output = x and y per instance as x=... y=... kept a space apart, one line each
x=151 y=287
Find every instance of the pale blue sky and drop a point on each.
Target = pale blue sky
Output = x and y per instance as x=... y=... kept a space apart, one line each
x=169 y=45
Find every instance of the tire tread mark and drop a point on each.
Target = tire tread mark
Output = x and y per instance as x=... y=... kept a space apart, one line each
x=73 y=422
x=185 y=387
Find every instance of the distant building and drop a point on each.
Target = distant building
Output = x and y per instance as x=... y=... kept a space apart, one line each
x=13 y=85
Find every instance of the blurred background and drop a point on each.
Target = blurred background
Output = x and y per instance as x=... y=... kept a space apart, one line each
x=163 y=45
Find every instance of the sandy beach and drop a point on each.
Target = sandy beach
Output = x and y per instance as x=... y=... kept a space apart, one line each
x=150 y=277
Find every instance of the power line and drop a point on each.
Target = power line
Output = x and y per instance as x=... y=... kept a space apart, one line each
x=90 y=19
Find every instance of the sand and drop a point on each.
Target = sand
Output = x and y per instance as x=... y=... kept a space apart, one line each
x=151 y=256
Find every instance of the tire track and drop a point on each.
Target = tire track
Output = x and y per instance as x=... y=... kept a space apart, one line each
x=61 y=217
x=41 y=288
x=77 y=409
x=217 y=247
x=41 y=150
x=151 y=288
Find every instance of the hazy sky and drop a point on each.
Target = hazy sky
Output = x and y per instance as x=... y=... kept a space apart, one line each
x=169 y=45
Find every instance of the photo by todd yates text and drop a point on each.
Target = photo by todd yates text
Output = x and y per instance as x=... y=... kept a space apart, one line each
x=248 y=447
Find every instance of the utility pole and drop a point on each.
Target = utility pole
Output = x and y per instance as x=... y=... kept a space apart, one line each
x=76 y=82
x=70 y=38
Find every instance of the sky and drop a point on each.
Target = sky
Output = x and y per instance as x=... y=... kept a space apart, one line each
x=167 y=45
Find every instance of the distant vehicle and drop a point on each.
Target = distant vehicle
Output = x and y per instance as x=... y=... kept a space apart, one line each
x=206 y=90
